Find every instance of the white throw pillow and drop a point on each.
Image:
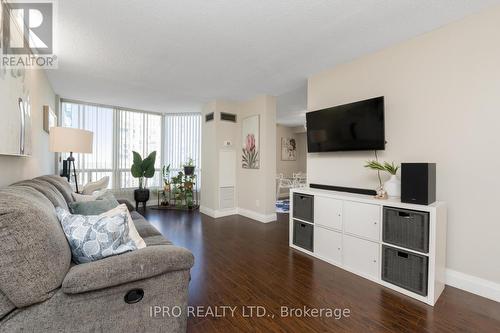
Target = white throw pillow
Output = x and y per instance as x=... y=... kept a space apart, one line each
x=132 y=231
x=92 y=197
x=99 y=185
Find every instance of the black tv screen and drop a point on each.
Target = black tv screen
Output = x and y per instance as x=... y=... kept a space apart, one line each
x=354 y=126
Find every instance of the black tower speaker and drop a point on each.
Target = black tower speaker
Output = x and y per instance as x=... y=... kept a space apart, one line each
x=418 y=183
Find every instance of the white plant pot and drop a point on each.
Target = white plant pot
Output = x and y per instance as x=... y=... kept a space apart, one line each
x=393 y=187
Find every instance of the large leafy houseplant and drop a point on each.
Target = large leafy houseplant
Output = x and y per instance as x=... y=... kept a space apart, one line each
x=143 y=168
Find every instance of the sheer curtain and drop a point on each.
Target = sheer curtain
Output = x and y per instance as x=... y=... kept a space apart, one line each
x=182 y=141
x=99 y=120
x=140 y=132
x=117 y=133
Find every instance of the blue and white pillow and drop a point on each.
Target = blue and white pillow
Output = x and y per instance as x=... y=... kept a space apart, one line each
x=96 y=236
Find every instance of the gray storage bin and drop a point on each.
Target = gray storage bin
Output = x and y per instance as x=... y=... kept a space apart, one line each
x=406 y=228
x=303 y=207
x=405 y=269
x=303 y=235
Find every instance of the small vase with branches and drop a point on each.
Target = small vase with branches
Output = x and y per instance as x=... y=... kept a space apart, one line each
x=392 y=187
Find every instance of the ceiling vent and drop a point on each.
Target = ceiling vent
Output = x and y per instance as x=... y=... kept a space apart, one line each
x=209 y=117
x=228 y=117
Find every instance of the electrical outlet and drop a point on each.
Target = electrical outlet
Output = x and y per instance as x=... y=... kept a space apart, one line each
x=257 y=203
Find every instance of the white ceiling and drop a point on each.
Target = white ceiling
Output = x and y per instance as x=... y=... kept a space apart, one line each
x=291 y=107
x=173 y=55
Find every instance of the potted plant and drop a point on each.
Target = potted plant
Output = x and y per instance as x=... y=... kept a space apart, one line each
x=189 y=167
x=189 y=188
x=143 y=169
x=165 y=171
x=393 y=185
x=177 y=188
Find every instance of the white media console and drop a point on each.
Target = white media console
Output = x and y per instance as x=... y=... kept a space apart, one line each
x=401 y=246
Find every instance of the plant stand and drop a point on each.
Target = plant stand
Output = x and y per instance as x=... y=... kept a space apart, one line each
x=181 y=194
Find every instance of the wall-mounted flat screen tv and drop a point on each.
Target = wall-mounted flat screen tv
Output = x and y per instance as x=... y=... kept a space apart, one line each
x=354 y=126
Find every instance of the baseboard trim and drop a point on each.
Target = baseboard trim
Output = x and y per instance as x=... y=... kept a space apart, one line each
x=207 y=211
x=257 y=216
x=216 y=213
x=225 y=212
x=473 y=284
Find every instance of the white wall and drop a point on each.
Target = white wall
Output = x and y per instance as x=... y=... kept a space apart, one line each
x=287 y=168
x=442 y=93
x=214 y=133
x=41 y=162
x=255 y=188
x=302 y=149
x=209 y=174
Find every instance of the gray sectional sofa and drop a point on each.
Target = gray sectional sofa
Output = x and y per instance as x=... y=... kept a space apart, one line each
x=42 y=290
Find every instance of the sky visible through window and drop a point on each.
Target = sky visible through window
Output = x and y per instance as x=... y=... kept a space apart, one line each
x=113 y=145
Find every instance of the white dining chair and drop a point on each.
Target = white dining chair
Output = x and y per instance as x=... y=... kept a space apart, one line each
x=283 y=183
x=300 y=180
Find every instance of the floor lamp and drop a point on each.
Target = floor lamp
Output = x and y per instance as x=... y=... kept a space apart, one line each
x=70 y=140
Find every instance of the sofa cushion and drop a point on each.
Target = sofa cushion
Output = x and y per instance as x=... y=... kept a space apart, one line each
x=130 y=207
x=61 y=184
x=93 y=238
x=6 y=305
x=136 y=216
x=156 y=240
x=95 y=207
x=104 y=310
x=34 y=253
x=144 y=228
x=128 y=267
x=48 y=190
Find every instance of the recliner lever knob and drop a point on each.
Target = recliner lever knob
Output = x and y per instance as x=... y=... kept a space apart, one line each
x=134 y=296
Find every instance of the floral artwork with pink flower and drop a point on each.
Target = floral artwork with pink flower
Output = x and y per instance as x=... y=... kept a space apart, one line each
x=250 y=147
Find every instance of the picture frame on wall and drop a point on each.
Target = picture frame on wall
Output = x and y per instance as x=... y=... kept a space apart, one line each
x=49 y=118
x=250 y=138
x=288 y=149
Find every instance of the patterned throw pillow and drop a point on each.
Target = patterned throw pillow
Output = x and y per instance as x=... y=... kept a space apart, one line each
x=95 y=237
x=132 y=231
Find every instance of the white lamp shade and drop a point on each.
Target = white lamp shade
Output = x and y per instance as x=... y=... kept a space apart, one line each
x=70 y=140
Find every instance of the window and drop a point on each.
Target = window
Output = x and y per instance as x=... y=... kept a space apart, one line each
x=183 y=141
x=140 y=132
x=117 y=133
x=99 y=120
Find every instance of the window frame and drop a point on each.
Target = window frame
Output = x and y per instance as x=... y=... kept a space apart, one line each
x=116 y=171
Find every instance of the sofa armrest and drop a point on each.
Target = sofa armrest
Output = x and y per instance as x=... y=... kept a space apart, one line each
x=129 y=205
x=128 y=267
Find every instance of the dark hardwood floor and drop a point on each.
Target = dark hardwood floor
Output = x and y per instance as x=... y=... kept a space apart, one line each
x=240 y=262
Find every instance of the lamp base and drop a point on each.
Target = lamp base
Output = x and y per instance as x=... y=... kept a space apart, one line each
x=71 y=161
x=65 y=170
